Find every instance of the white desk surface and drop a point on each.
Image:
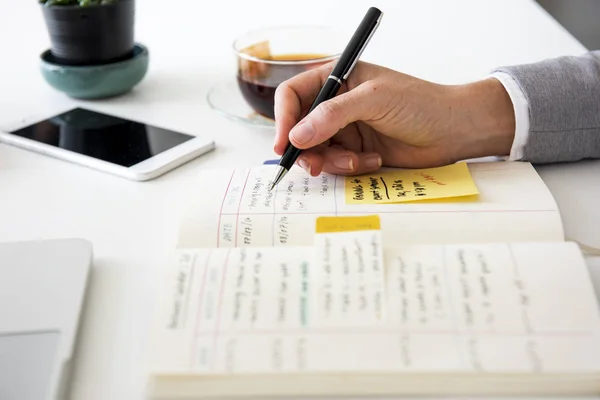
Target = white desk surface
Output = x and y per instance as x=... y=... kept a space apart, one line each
x=132 y=225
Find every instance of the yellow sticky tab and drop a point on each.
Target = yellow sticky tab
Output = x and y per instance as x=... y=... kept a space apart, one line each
x=405 y=185
x=347 y=224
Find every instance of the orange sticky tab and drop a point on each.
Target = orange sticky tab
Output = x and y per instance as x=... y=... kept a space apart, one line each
x=348 y=224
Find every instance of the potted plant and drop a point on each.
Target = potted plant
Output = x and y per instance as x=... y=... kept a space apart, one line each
x=90 y=32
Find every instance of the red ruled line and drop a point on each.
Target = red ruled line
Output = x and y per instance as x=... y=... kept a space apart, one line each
x=221 y=210
x=237 y=220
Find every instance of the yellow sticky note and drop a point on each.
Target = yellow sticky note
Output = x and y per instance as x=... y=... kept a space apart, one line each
x=405 y=185
x=348 y=224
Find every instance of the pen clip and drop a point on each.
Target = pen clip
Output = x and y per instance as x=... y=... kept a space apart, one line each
x=362 y=48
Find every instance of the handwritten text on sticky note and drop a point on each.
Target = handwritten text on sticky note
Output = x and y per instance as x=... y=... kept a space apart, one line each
x=404 y=185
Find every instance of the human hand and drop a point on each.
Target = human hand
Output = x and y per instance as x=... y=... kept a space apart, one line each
x=383 y=117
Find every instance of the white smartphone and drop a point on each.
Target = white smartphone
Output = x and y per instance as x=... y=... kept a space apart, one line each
x=118 y=146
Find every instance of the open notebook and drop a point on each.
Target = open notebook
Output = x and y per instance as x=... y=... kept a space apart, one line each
x=349 y=316
x=234 y=208
x=477 y=295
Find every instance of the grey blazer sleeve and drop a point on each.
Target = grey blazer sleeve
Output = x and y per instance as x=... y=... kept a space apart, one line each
x=564 y=107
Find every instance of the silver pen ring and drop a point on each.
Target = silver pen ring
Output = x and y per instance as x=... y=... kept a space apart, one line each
x=335 y=78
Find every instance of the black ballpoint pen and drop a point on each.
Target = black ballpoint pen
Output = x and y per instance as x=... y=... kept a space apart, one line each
x=342 y=69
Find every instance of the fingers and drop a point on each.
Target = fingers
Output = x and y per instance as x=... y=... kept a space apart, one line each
x=292 y=98
x=311 y=162
x=330 y=116
x=338 y=161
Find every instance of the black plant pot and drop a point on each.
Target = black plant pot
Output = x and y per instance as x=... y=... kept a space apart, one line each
x=91 y=35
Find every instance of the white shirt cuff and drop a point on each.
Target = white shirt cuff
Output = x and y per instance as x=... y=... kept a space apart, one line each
x=521 y=108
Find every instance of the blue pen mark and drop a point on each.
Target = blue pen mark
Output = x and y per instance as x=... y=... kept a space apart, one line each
x=270 y=162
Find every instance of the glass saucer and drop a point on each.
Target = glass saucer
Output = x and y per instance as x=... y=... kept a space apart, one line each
x=226 y=98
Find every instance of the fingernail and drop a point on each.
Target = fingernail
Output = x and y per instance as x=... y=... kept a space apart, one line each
x=373 y=162
x=305 y=165
x=344 y=162
x=303 y=132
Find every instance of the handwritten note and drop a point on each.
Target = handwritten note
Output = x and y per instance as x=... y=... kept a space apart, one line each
x=234 y=208
x=447 y=308
x=252 y=215
x=349 y=270
x=410 y=185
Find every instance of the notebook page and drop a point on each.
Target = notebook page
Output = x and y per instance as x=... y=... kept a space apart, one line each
x=233 y=208
x=339 y=283
x=455 y=308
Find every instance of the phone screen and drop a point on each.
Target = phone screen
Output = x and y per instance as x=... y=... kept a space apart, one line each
x=105 y=137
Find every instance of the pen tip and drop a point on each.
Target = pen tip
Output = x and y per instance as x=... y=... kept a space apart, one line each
x=272 y=187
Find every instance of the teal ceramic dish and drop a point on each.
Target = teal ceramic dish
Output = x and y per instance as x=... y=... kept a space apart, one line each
x=96 y=81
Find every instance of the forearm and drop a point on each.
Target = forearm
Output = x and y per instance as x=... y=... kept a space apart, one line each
x=483 y=121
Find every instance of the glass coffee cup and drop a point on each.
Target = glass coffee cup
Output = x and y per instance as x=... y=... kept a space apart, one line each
x=268 y=57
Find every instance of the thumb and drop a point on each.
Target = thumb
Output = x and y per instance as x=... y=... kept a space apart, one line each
x=330 y=117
